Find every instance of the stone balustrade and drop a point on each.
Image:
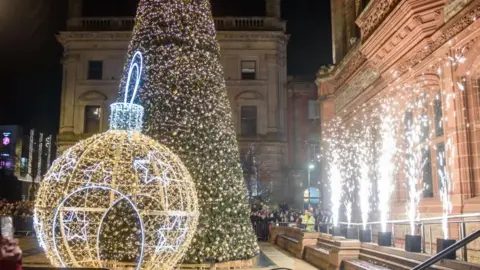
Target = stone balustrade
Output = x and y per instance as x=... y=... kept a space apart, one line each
x=221 y=23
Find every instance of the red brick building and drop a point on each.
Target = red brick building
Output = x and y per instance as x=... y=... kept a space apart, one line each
x=403 y=50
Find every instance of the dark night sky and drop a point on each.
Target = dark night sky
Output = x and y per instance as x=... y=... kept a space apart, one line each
x=31 y=71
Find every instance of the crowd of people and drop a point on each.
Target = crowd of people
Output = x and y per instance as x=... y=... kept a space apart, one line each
x=308 y=219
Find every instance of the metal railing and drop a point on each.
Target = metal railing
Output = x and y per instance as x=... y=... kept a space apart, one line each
x=221 y=24
x=439 y=256
x=424 y=223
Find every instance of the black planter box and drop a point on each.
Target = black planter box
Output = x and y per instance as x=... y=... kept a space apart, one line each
x=365 y=236
x=336 y=231
x=413 y=243
x=352 y=233
x=444 y=244
x=385 y=239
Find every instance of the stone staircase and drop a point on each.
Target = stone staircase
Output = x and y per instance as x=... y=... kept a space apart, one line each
x=331 y=252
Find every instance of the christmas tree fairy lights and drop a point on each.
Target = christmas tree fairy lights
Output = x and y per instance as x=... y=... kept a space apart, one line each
x=187 y=109
x=118 y=199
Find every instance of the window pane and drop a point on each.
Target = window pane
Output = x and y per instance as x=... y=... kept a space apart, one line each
x=427 y=174
x=248 y=117
x=441 y=165
x=248 y=70
x=95 y=70
x=407 y=123
x=248 y=65
x=438 y=115
x=92 y=119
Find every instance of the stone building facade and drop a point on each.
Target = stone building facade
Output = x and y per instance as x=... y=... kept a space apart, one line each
x=253 y=54
x=303 y=138
x=392 y=48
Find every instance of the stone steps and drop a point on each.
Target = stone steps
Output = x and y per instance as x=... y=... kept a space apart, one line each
x=361 y=265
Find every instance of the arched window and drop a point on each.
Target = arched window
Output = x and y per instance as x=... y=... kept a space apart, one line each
x=311 y=196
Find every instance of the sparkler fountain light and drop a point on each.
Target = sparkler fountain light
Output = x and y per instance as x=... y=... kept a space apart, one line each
x=334 y=174
x=348 y=208
x=364 y=157
x=387 y=168
x=415 y=136
x=335 y=187
x=414 y=164
x=445 y=159
x=445 y=184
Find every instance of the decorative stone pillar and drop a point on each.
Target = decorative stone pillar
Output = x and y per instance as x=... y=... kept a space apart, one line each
x=273 y=8
x=67 y=113
x=272 y=93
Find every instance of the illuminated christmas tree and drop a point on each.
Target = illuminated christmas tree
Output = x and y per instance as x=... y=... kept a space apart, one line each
x=187 y=109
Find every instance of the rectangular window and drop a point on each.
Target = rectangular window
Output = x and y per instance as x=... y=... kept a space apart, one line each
x=313 y=110
x=95 y=70
x=441 y=165
x=248 y=116
x=438 y=115
x=249 y=70
x=92 y=119
x=407 y=123
x=427 y=174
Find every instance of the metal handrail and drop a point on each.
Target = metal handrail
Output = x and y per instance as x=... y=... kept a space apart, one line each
x=439 y=256
x=416 y=220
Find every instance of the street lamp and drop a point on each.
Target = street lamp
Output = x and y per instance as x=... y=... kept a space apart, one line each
x=310 y=168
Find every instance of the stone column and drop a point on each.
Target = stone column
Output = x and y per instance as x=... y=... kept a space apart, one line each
x=273 y=8
x=74 y=13
x=327 y=112
x=339 y=41
x=272 y=93
x=456 y=129
x=282 y=87
x=75 y=8
x=350 y=21
x=67 y=111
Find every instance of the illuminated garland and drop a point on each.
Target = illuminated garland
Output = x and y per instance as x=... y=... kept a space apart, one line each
x=30 y=154
x=39 y=161
x=187 y=109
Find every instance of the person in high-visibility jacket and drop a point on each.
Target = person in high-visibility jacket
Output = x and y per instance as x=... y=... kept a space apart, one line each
x=308 y=221
x=304 y=220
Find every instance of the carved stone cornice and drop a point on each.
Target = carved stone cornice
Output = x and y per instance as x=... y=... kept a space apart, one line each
x=436 y=41
x=349 y=64
x=453 y=7
x=65 y=37
x=244 y=36
x=355 y=87
x=373 y=16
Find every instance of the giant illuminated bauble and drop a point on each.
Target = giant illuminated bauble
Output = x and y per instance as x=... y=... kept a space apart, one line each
x=118 y=199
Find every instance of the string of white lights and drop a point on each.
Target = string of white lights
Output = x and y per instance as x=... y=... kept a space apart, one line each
x=30 y=154
x=39 y=160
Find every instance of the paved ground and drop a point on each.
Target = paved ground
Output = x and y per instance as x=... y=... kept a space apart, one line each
x=271 y=257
